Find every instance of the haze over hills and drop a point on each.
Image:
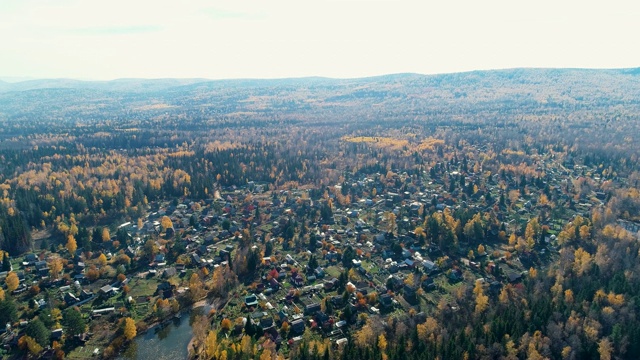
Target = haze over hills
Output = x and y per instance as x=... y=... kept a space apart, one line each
x=406 y=96
x=132 y=85
x=522 y=75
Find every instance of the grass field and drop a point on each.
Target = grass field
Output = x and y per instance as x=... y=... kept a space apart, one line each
x=143 y=287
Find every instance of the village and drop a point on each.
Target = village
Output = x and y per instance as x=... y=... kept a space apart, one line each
x=315 y=263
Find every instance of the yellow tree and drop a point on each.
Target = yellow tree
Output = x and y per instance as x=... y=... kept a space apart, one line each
x=427 y=329
x=504 y=296
x=72 y=246
x=225 y=324
x=105 y=234
x=568 y=296
x=531 y=233
x=482 y=301
x=543 y=200
x=166 y=223
x=582 y=261
x=211 y=344
x=605 y=348
x=56 y=315
x=129 y=328
x=1 y=294
x=12 y=281
x=55 y=267
x=382 y=343
x=391 y=222
x=195 y=286
x=266 y=355
x=513 y=239
x=365 y=336
x=28 y=343
x=102 y=260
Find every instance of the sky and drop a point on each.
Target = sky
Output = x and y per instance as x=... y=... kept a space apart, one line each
x=109 y=39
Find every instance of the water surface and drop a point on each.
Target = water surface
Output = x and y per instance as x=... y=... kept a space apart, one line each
x=164 y=342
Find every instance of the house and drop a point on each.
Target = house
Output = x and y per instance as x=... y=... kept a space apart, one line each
x=70 y=299
x=40 y=303
x=311 y=309
x=319 y=272
x=107 y=291
x=337 y=300
x=385 y=300
x=85 y=294
x=251 y=301
x=165 y=289
x=323 y=319
x=56 y=334
x=282 y=275
x=273 y=334
x=266 y=322
x=297 y=327
x=393 y=268
x=80 y=266
x=409 y=294
x=328 y=285
x=455 y=275
x=428 y=284
x=31 y=259
x=239 y=325
x=99 y=312
x=331 y=256
x=429 y=266
x=282 y=316
x=513 y=276
x=274 y=284
x=169 y=272
x=256 y=316
x=394 y=283
x=297 y=280
x=42 y=268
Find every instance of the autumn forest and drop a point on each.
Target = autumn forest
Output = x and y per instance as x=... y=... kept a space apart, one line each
x=520 y=186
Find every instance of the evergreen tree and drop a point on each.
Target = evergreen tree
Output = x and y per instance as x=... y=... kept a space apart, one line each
x=38 y=332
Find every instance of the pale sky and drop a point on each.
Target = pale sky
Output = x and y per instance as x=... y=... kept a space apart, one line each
x=108 y=39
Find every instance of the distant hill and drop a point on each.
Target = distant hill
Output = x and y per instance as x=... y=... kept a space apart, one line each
x=468 y=96
x=485 y=77
x=124 y=85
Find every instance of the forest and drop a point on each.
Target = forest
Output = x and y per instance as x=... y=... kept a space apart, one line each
x=505 y=159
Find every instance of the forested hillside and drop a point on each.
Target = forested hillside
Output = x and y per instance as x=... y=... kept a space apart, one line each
x=539 y=165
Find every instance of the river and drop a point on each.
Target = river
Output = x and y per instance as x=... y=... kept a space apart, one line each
x=168 y=341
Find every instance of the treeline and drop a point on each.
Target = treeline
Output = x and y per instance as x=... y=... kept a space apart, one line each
x=15 y=235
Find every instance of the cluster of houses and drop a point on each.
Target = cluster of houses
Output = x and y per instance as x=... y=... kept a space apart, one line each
x=289 y=289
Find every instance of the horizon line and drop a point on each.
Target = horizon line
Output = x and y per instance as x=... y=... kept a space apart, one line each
x=29 y=78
